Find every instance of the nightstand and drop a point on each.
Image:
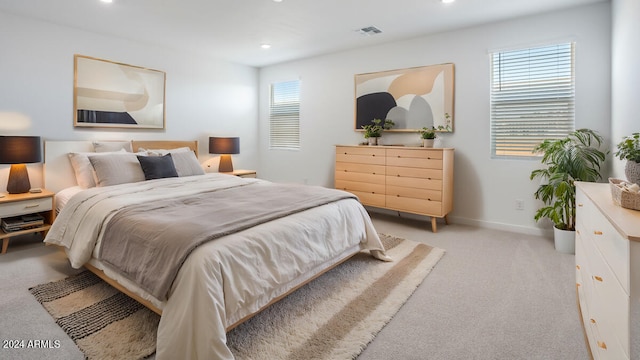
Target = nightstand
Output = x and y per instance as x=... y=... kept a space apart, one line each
x=242 y=173
x=26 y=204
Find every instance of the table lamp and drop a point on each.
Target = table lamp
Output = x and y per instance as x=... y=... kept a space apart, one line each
x=17 y=151
x=225 y=146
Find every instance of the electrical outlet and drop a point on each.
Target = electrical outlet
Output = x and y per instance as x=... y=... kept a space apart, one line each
x=519 y=204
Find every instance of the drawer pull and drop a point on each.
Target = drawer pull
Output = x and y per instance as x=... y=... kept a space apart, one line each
x=577 y=231
x=597 y=232
x=597 y=278
x=580 y=205
x=578 y=267
x=602 y=345
x=593 y=321
x=578 y=284
x=32 y=206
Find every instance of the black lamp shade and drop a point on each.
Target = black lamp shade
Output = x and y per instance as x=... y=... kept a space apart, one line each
x=20 y=149
x=224 y=145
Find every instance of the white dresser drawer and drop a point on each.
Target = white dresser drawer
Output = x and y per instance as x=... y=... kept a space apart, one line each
x=613 y=248
x=610 y=305
x=24 y=207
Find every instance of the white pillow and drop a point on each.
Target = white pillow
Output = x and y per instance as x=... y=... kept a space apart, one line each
x=163 y=152
x=111 y=146
x=186 y=163
x=114 y=169
x=83 y=168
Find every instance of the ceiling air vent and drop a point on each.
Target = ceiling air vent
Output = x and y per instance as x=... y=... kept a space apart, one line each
x=369 y=30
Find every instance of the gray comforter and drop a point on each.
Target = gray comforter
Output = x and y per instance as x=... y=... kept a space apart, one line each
x=149 y=242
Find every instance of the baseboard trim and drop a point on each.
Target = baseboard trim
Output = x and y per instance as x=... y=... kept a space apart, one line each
x=528 y=230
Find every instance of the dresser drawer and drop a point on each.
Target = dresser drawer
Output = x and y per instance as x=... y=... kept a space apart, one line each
x=414 y=172
x=415 y=153
x=417 y=206
x=612 y=246
x=359 y=186
x=370 y=199
x=24 y=207
x=360 y=155
x=360 y=177
x=610 y=304
x=424 y=163
x=424 y=194
x=360 y=168
x=414 y=182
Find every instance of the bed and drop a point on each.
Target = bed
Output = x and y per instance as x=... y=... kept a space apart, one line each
x=217 y=283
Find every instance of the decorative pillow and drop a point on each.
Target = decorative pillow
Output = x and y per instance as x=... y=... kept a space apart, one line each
x=111 y=146
x=83 y=168
x=157 y=167
x=114 y=169
x=186 y=163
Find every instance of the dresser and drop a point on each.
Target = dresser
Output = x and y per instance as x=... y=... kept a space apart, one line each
x=608 y=273
x=407 y=179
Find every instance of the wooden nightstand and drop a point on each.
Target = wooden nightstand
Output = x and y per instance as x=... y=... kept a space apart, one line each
x=26 y=204
x=242 y=173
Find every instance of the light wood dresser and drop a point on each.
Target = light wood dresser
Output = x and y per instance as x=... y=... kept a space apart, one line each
x=608 y=273
x=408 y=179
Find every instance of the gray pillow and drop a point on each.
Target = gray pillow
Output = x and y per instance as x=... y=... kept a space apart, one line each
x=157 y=167
x=114 y=169
x=186 y=163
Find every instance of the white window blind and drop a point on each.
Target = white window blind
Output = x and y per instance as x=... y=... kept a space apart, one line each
x=284 y=115
x=532 y=98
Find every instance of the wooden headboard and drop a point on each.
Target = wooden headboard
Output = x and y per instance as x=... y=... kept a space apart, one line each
x=58 y=173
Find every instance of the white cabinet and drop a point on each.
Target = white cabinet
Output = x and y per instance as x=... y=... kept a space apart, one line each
x=608 y=273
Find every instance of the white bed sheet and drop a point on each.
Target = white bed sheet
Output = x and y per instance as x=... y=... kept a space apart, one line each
x=225 y=280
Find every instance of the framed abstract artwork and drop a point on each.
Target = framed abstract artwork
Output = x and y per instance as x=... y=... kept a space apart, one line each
x=412 y=98
x=115 y=95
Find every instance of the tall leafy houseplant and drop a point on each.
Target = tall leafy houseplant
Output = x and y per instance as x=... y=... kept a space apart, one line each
x=576 y=157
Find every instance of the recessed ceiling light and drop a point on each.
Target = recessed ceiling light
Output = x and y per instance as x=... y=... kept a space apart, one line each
x=277 y=0
x=447 y=1
x=107 y=1
x=265 y=46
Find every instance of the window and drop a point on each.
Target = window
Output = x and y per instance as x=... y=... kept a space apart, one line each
x=532 y=98
x=284 y=115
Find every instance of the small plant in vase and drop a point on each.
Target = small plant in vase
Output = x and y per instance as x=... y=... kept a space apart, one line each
x=374 y=131
x=428 y=136
x=629 y=149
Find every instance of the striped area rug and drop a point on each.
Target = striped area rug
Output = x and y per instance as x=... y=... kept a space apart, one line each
x=333 y=317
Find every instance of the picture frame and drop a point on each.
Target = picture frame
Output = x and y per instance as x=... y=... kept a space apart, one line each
x=412 y=98
x=109 y=94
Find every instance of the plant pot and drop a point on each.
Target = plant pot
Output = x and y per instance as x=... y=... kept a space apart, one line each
x=564 y=240
x=632 y=171
x=428 y=143
x=373 y=141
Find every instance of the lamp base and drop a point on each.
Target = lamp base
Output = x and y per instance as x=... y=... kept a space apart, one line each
x=225 y=164
x=18 y=179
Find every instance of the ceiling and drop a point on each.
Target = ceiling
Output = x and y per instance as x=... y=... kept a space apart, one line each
x=234 y=30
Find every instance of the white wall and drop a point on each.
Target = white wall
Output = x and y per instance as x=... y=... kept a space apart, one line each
x=203 y=96
x=625 y=81
x=485 y=189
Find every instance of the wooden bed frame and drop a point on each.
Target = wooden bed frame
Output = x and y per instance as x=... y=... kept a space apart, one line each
x=56 y=156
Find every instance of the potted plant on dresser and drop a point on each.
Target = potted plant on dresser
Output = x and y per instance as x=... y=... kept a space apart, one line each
x=373 y=131
x=576 y=157
x=428 y=136
x=629 y=149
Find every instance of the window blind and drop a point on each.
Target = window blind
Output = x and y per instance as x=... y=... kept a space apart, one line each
x=284 y=115
x=532 y=98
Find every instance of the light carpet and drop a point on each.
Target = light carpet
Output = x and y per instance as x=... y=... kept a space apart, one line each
x=333 y=317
